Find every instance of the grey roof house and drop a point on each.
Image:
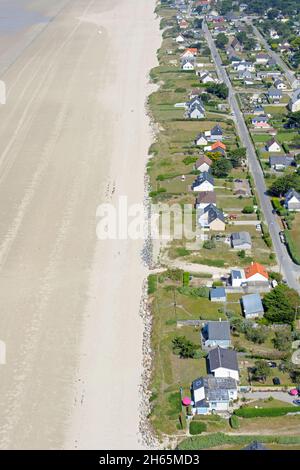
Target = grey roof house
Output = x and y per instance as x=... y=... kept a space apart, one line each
x=213 y=394
x=252 y=306
x=281 y=162
x=223 y=363
x=218 y=294
x=274 y=94
x=217 y=333
x=241 y=241
x=292 y=200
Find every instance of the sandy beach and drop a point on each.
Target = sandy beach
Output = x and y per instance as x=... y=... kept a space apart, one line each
x=74 y=134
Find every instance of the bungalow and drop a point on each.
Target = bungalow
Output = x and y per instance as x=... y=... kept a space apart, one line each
x=190 y=52
x=204 y=199
x=213 y=394
x=237 y=277
x=203 y=182
x=274 y=34
x=281 y=162
x=216 y=134
x=180 y=39
x=252 y=306
x=244 y=66
x=256 y=273
x=294 y=104
x=211 y=218
x=274 y=94
x=234 y=59
x=203 y=163
x=246 y=76
x=258 y=110
x=217 y=333
x=217 y=294
x=279 y=84
x=261 y=122
x=216 y=147
x=205 y=77
x=292 y=200
x=272 y=146
x=201 y=139
x=187 y=65
x=241 y=241
x=262 y=59
x=236 y=45
x=196 y=111
x=223 y=363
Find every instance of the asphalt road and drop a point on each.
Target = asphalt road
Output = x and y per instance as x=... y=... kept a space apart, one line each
x=288 y=268
x=289 y=74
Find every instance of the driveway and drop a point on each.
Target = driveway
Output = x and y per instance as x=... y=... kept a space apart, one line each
x=283 y=396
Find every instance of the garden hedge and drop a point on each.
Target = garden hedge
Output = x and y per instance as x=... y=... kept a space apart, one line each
x=197 y=427
x=247 y=412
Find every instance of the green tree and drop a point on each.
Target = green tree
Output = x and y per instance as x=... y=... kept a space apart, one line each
x=221 y=168
x=184 y=347
x=236 y=156
x=261 y=370
x=248 y=210
x=282 y=184
x=280 y=304
x=218 y=89
x=257 y=335
x=221 y=41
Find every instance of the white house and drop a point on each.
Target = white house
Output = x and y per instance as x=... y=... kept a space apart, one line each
x=280 y=85
x=203 y=182
x=201 y=140
x=204 y=199
x=196 y=111
x=237 y=277
x=292 y=200
x=294 y=103
x=203 y=164
x=223 y=363
x=213 y=394
x=262 y=59
x=180 y=39
x=273 y=146
x=256 y=273
x=187 y=65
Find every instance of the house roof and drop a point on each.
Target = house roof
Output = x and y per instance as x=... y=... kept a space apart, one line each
x=206 y=197
x=281 y=160
x=239 y=238
x=274 y=92
x=220 y=357
x=252 y=303
x=292 y=193
x=296 y=96
x=237 y=274
x=218 y=330
x=262 y=118
x=271 y=142
x=255 y=445
x=256 y=268
x=217 y=293
x=203 y=159
x=217 y=130
x=215 y=388
x=199 y=136
x=218 y=144
x=213 y=214
x=205 y=176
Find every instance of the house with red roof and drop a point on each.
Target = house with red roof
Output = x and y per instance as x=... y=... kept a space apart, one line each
x=256 y=273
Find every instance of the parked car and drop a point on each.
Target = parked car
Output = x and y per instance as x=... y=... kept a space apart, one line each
x=272 y=364
x=276 y=381
x=294 y=392
x=296 y=402
x=282 y=237
x=258 y=227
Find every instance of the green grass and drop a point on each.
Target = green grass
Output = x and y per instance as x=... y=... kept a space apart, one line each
x=247 y=412
x=220 y=439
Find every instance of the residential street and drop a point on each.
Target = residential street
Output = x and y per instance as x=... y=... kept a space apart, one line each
x=289 y=74
x=288 y=268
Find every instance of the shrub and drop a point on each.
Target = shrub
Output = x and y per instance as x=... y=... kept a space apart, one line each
x=248 y=210
x=194 y=291
x=151 y=283
x=188 y=160
x=182 y=251
x=234 y=422
x=246 y=412
x=185 y=279
x=197 y=427
x=209 y=244
x=292 y=247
